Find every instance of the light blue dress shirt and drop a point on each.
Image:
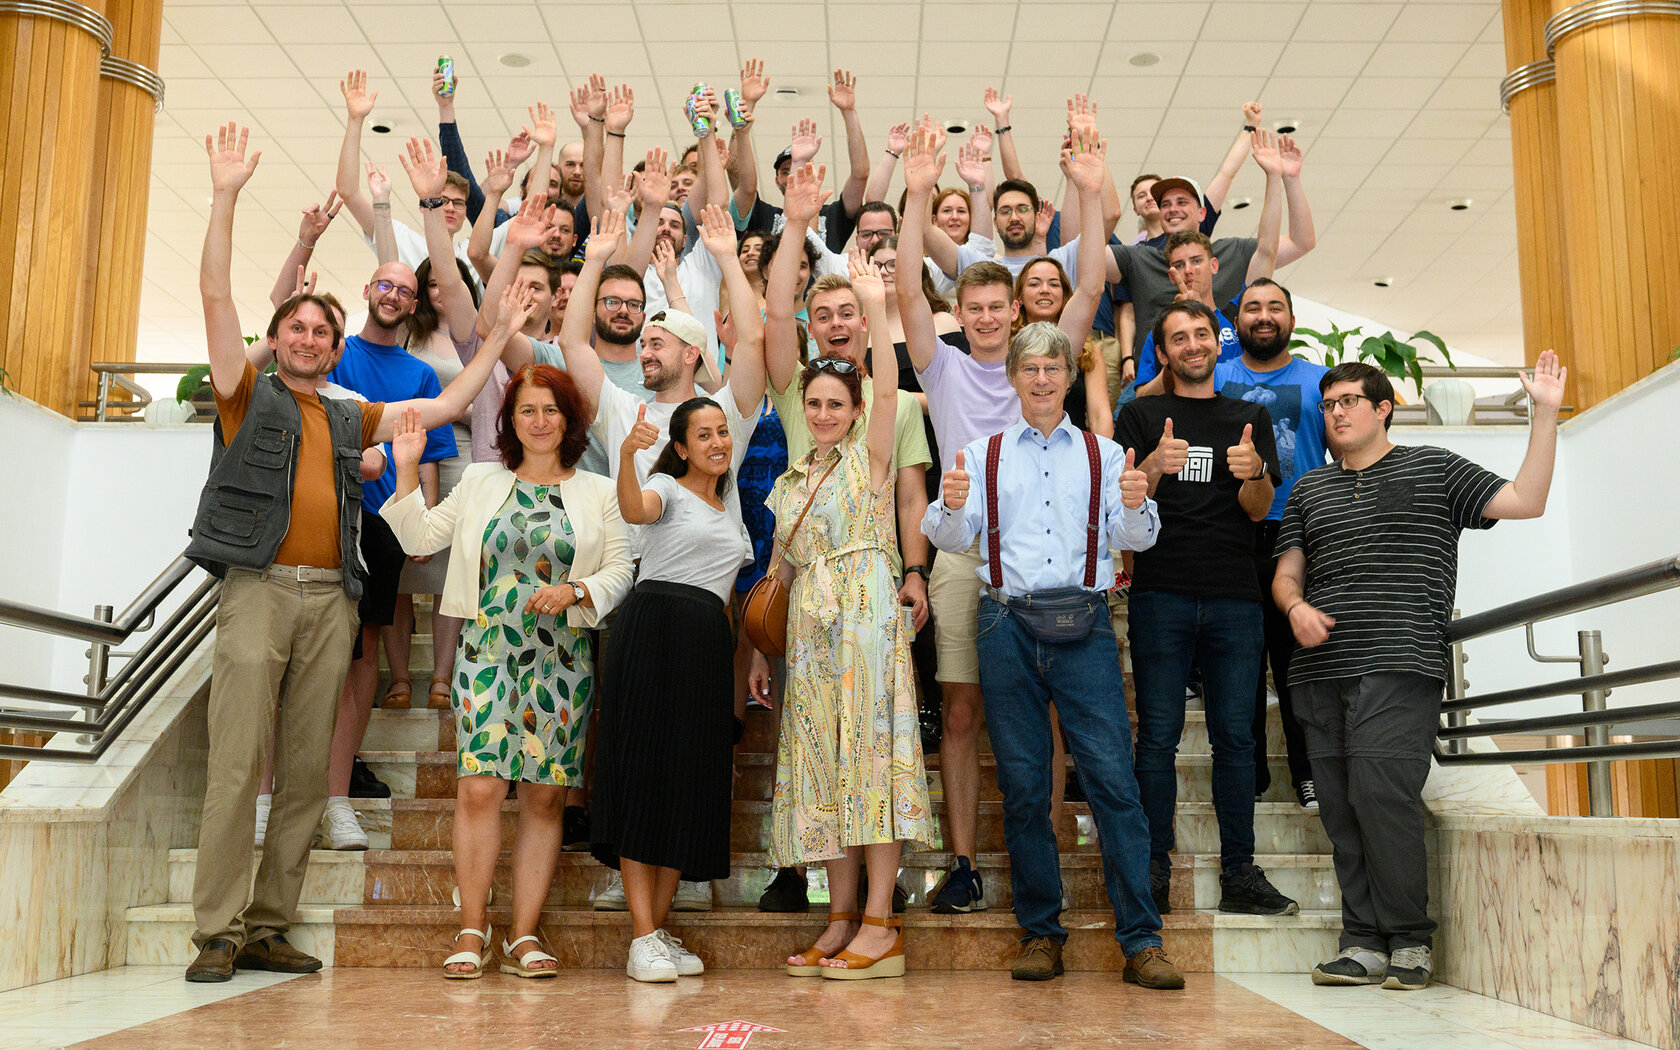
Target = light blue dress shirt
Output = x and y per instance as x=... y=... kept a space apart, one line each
x=1044 y=501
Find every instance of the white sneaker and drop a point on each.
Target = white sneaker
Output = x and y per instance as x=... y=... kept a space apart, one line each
x=343 y=831
x=649 y=961
x=611 y=898
x=264 y=803
x=687 y=963
x=692 y=896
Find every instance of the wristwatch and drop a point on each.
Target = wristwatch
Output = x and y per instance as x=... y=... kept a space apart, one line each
x=433 y=202
x=919 y=570
x=579 y=593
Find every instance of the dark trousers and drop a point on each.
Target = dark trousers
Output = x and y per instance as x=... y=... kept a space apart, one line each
x=1280 y=643
x=1370 y=739
x=1021 y=677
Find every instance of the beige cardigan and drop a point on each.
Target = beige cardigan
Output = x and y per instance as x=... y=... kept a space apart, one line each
x=601 y=562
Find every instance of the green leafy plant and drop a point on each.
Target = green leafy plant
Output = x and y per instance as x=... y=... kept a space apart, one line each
x=1397 y=357
x=4 y=376
x=189 y=384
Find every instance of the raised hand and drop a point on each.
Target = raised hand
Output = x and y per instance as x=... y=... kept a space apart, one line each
x=642 y=436
x=230 y=170
x=1251 y=113
x=867 y=284
x=358 y=100
x=998 y=106
x=541 y=129
x=706 y=105
x=606 y=236
x=1134 y=483
x=1171 y=453
x=898 y=137
x=805 y=196
x=578 y=101
x=1081 y=113
x=1086 y=159
x=971 y=164
x=927 y=123
x=426 y=170
x=437 y=88
x=981 y=139
x=922 y=161
x=621 y=108
x=843 y=92
x=1291 y=155
x=1546 y=387
x=717 y=231
x=665 y=265
x=1243 y=459
x=379 y=184
x=316 y=219
x=620 y=197
x=518 y=306
x=655 y=182
x=1311 y=627
x=306 y=284
x=725 y=329
x=520 y=148
x=597 y=96
x=529 y=226
x=953 y=486
x=498 y=172
x=754 y=83
x=1265 y=148
x=1042 y=220
x=806 y=142
x=408 y=440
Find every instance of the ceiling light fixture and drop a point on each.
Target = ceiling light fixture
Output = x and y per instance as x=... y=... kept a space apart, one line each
x=956 y=127
x=1461 y=204
x=1240 y=203
x=1383 y=282
x=1144 y=58
x=382 y=125
x=515 y=60
x=1288 y=126
x=787 y=94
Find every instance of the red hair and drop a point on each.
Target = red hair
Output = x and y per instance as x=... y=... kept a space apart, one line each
x=572 y=406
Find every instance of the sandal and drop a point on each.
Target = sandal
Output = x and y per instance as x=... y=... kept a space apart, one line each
x=518 y=965
x=438 y=695
x=862 y=967
x=398 y=687
x=479 y=960
x=812 y=956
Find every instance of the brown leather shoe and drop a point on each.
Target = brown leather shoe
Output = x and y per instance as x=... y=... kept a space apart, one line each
x=273 y=953
x=214 y=963
x=1150 y=968
x=1040 y=960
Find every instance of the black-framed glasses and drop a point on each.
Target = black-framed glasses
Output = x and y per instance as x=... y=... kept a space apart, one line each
x=838 y=365
x=1348 y=402
x=387 y=287
x=614 y=304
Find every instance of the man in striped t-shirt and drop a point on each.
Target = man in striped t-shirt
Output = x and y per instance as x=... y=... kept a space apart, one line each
x=1367 y=567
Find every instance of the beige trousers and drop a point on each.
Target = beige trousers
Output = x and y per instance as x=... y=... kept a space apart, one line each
x=285 y=644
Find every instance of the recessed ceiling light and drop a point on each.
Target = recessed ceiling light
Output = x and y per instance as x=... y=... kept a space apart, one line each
x=1239 y=203
x=382 y=125
x=1144 y=58
x=1288 y=126
x=1383 y=282
x=956 y=127
x=1462 y=204
x=787 y=93
x=515 y=60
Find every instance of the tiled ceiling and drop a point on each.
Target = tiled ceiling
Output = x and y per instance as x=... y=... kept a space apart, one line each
x=1397 y=105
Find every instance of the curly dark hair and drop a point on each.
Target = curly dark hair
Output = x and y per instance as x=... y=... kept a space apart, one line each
x=572 y=405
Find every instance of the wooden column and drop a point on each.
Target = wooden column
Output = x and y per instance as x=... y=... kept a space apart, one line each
x=1529 y=95
x=50 y=52
x=129 y=93
x=1618 y=104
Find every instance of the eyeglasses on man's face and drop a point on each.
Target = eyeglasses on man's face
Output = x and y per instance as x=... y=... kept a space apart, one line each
x=1047 y=371
x=614 y=304
x=402 y=293
x=1348 y=402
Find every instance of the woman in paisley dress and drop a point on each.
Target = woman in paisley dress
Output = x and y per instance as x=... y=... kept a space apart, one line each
x=850 y=784
x=538 y=554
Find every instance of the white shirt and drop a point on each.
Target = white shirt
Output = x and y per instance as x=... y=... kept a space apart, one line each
x=411 y=248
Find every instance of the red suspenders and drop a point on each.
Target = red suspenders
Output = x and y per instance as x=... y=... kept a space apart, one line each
x=994 y=538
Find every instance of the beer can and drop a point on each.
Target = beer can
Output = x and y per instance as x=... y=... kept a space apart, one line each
x=446 y=66
x=702 y=125
x=735 y=108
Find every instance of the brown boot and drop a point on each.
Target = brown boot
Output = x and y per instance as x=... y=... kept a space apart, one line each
x=274 y=954
x=214 y=963
x=1150 y=968
x=1040 y=960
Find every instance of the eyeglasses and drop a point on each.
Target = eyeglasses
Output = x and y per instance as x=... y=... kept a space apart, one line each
x=614 y=304
x=837 y=365
x=871 y=235
x=886 y=265
x=1047 y=371
x=387 y=287
x=1348 y=402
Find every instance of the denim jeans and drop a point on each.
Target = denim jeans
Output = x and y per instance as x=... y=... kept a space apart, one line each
x=1226 y=639
x=1020 y=677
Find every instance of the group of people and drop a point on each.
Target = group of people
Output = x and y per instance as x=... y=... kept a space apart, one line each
x=671 y=388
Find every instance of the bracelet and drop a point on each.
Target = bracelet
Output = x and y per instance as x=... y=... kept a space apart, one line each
x=1248 y=127
x=615 y=134
x=305 y=247
x=382 y=204
x=895 y=156
x=1006 y=127
x=977 y=189
x=919 y=570
x=598 y=120
x=1297 y=602
x=1258 y=476
x=432 y=203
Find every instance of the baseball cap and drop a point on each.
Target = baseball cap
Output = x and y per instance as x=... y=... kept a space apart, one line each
x=688 y=330
x=784 y=157
x=1177 y=182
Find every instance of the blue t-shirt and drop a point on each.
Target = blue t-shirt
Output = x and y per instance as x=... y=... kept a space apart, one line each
x=1229 y=350
x=1291 y=396
x=380 y=372
x=1113 y=294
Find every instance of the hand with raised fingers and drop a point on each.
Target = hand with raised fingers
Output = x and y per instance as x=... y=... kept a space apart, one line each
x=408 y=440
x=621 y=196
x=1134 y=483
x=598 y=96
x=867 y=284
x=426 y=170
x=606 y=236
x=1081 y=113
x=1291 y=155
x=1181 y=285
x=520 y=149
x=843 y=91
x=498 y=172
x=306 y=282
x=379 y=184
x=805 y=196
x=316 y=219
x=655 y=182
x=953 y=486
x=541 y=129
x=934 y=128
x=519 y=305
x=1243 y=459
x=898 y=137
x=578 y=101
x=1087 y=159
x=998 y=106
x=621 y=108
x=230 y=169
x=529 y=226
x=1546 y=386
x=805 y=142
x=358 y=100
x=1043 y=218
x=971 y=164
x=717 y=231
x=1263 y=145
x=981 y=139
x=754 y=84
x=665 y=264
x=922 y=161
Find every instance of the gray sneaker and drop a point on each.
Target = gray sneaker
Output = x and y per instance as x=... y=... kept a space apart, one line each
x=1409 y=968
x=612 y=897
x=1352 y=966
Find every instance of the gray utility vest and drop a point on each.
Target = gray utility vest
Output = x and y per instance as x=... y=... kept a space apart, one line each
x=245 y=509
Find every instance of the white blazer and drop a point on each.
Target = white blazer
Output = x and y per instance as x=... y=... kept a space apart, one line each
x=602 y=543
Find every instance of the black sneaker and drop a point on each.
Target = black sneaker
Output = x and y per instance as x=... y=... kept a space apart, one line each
x=1160 y=884
x=363 y=784
x=786 y=892
x=574 y=830
x=1306 y=795
x=961 y=892
x=1245 y=891
x=1075 y=791
x=900 y=896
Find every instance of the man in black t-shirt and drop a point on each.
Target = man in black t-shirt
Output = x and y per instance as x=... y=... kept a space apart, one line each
x=1367 y=566
x=1212 y=464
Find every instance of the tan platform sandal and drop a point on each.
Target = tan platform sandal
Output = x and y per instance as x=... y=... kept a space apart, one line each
x=479 y=960
x=810 y=957
x=519 y=965
x=862 y=967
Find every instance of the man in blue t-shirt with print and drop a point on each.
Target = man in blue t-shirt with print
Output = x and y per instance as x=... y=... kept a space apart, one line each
x=1287 y=386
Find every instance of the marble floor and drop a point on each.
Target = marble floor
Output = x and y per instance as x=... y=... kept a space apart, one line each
x=140 y=1007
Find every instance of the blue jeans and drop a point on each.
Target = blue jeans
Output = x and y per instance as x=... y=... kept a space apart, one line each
x=1226 y=638
x=1020 y=677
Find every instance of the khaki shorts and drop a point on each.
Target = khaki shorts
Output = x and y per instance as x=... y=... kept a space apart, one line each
x=954 y=597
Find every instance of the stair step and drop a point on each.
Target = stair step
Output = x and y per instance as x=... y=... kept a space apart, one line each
x=334 y=877
x=161 y=934
x=412 y=729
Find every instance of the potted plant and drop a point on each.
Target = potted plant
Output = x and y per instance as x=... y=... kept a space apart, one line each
x=1450 y=402
x=180 y=408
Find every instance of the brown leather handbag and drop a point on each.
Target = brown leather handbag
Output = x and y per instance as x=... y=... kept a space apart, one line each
x=764 y=615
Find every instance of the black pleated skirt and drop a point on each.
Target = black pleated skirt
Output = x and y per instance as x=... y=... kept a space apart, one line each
x=664 y=739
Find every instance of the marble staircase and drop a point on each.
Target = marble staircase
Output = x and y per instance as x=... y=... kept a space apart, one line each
x=390 y=906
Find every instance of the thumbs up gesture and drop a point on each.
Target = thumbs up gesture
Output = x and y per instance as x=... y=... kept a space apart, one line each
x=1243 y=459
x=1171 y=453
x=953 y=487
x=642 y=435
x=1134 y=483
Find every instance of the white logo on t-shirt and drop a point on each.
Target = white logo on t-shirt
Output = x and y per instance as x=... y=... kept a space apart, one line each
x=1200 y=465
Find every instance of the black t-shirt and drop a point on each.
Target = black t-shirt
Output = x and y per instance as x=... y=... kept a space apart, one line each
x=1206 y=544
x=1382 y=558
x=836 y=225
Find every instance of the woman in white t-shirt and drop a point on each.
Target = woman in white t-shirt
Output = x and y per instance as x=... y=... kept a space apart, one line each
x=663 y=758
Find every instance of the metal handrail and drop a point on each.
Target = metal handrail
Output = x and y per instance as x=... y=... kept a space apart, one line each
x=85 y=628
x=1592 y=684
